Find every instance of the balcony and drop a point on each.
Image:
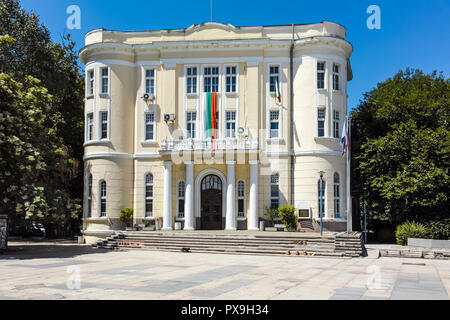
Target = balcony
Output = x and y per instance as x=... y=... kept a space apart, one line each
x=209 y=144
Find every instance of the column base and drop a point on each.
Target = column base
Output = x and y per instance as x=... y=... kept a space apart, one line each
x=189 y=229
x=167 y=229
x=230 y=229
x=253 y=229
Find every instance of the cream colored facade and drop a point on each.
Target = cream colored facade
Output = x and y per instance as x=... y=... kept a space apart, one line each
x=120 y=67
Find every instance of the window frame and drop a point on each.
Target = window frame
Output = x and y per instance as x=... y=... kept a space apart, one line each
x=101 y=78
x=89 y=127
x=102 y=198
x=193 y=124
x=181 y=198
x=231 y=76
x=146 y=123
x=241 y=198
x=90 y=83
x=337 y=186
x=324 y=72
x=324 y=196
x=278 y=198
x=187 y=77
x=336 y=124
x=101 y=123
x=338 y=75
x=273 y=121
x=149 y=78
x=152 y=197
x=205 y=76
x=319 y=119
x=231 y=122
x=89 y=189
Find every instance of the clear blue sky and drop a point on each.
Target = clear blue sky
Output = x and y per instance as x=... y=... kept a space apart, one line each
x=413 y=33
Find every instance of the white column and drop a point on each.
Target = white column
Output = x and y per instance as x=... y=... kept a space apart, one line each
x=167 y=223
x=253 y=219
x=189 y=197
x=230 y=221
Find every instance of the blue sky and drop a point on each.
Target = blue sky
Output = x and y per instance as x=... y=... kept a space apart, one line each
x=413 y=33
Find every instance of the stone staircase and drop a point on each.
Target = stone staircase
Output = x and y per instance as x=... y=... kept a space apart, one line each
x=339 y=245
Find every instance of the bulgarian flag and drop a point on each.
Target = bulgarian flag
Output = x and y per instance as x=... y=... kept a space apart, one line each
x=211 y=115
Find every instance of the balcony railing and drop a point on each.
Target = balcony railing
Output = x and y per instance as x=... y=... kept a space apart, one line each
x=209 y=144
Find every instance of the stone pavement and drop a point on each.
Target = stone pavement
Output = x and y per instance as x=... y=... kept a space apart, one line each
x=52 y=271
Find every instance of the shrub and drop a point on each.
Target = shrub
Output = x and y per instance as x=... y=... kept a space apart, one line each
x=126 y=216
x=272 y=214
x=438 y=229
x=410 y=230
x=288 y=217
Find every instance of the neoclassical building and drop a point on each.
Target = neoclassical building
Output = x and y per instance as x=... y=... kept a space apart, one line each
x=210 y=125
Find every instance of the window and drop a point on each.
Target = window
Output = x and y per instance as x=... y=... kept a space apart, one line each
x=191 y=118
x=274 y=77
x=149 y=126
x=191 y=80
x=211 y=79
x=181 y=193
x=231 y=124
x=321 y=200
x=91 y=82
x=275 y=191
x=337 y=196
x=89 y=126
x=89 y=197
x=241 y=199
x=321 y=122
x=274 y=124
x=230 y=79
x=336 y=77
x=320 y=75
x=105 y=81
x=150 y=81
x=148 y=196
x=103 y=125
x=336 y=120
x=102 y=198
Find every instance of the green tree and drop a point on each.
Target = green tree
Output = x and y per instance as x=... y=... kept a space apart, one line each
x=27 y=54
x=401 y=148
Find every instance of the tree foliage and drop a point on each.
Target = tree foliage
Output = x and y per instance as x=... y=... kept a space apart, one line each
x=41 y=126
x=401 y=147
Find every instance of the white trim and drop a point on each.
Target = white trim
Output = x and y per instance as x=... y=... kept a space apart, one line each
x=98 y=155
x=178 y=200
x=238 y=198
x=325 y=198
x=269 y=98
x=198 y=190
x=147 y=108
x=100 y=81
x=145 y=196
x=99 y=199
x=100 y=123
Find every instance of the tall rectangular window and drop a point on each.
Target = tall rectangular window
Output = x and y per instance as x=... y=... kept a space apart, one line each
x=336 y=120
x=148 y=195
x=337 y=196
x=274 y=77
x=181 y=193
x=274 y=124
x=320 y=122
x=105 y=81
x=149 y=126
x=89 y=196
x=191 y=80
x=231 y=124
x=275 y=191
x=230 y=79
x=91 y=82
x=241 y=199
x=103 y=125
x=211 y=79
x=336 y=77
x=102 y=199
x=89 y=126
x=320 y=75
x=150 y=81
x=191 y=118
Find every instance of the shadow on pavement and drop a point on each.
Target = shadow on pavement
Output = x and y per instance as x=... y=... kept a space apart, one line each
x=46 y=249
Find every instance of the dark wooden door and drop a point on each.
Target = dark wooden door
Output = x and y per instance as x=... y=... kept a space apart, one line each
x=211 y=203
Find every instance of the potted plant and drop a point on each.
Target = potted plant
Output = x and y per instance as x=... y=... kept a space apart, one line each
x=288 y=217
x=150 y=225
x=271 y=214
x=126 y=217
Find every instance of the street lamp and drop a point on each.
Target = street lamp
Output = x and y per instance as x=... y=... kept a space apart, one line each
x=321 y=202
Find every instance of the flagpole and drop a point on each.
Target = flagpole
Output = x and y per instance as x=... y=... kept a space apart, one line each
x=349 y=202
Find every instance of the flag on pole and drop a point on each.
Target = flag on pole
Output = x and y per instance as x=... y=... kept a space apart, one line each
x=277 y=91
x=211 y=115
x=344 y=137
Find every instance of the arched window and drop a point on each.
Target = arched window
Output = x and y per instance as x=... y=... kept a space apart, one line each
x=89 y=196
x=275 y=191
x=321 y=200
x=337 y=196
x=148 y=195
x=181 y=192
x=241 y=199
x=102 y=198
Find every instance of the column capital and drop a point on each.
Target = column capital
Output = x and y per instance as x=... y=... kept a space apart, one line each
x=167 y=162
x=189 y=163
x=253 y=162
x=231 y=162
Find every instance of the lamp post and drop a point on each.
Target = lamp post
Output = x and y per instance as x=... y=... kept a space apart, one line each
x=321 y=202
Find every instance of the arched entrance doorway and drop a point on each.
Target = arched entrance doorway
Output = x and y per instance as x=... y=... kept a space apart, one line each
x=211 y=203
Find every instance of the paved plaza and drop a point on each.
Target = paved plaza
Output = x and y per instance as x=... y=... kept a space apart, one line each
x=71 y=271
